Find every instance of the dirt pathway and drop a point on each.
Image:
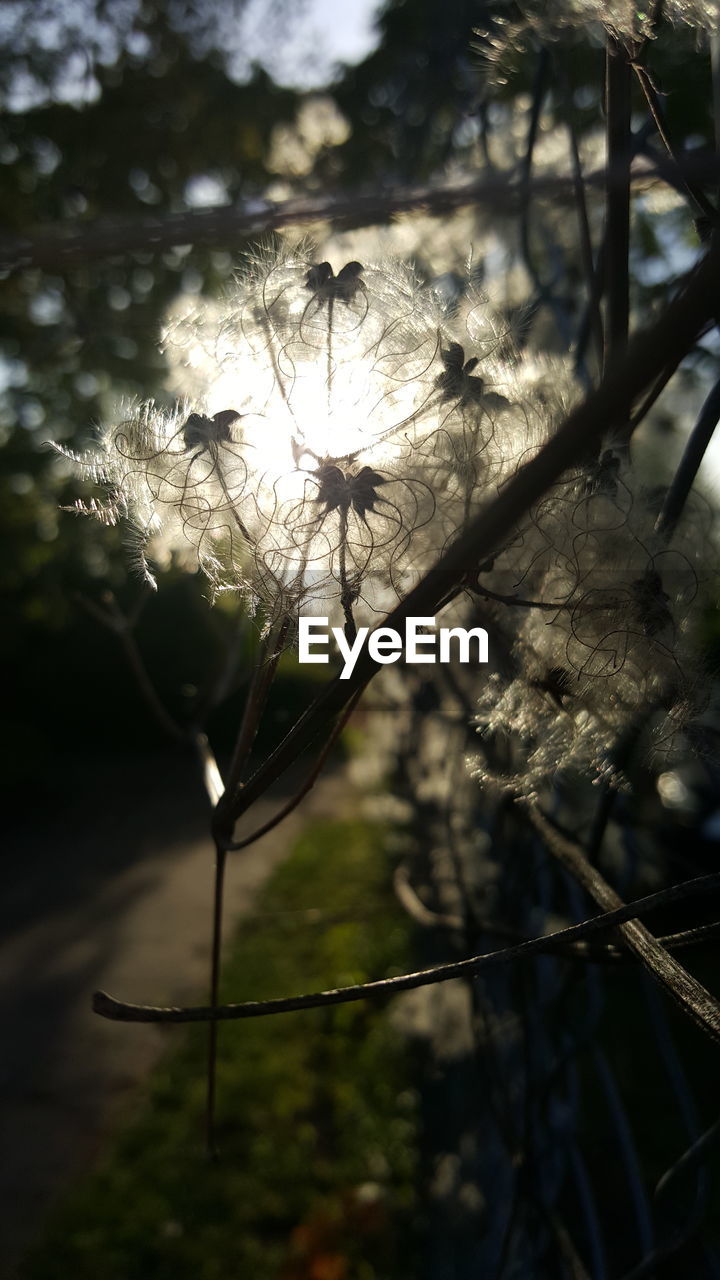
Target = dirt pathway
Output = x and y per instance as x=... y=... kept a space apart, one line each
x=114 y=892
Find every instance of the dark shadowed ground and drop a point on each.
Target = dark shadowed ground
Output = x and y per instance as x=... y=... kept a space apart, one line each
x=107 y=883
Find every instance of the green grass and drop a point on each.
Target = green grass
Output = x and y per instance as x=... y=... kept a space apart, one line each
x=316 y=1109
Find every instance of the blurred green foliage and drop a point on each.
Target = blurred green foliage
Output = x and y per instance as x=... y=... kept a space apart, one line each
x=165 y=114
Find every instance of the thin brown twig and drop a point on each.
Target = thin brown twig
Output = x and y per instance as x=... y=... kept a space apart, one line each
x=653 y=395
x=307 y=786
x=122 y=625
x=210 y=772
x=111 y=616
x=550 y=606
x=692 y=997
x=55 y=247
x=695 y=193
x=147 y=688
x=215 y=965
x=617 y=236
x=693 y=454
x=120 y=1011
x=599 y=952
x=265 y=668
x=219 y=684
x=262 y=678
x=410 y=900
x=586 y=247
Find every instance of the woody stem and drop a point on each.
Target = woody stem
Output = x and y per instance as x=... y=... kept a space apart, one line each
x=346 y=594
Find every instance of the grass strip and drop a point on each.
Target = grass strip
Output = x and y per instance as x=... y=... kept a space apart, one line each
x=317 y=1111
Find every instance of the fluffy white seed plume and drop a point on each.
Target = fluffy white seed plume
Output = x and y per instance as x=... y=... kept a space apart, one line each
x=333 y=433
x=603 y=650
x=506 y=39
x=338 y=428
x=161 y=471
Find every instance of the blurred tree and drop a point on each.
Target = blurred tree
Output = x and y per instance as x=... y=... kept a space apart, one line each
x=108 y=109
